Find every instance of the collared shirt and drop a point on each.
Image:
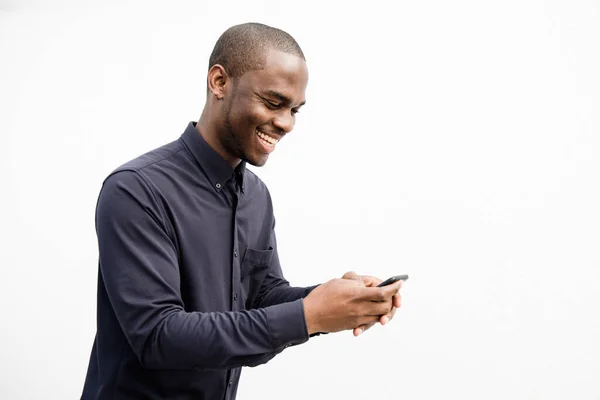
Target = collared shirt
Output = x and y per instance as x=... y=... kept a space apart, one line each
x=190 y=288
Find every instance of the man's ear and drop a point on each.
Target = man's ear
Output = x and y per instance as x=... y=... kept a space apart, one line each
x=218 y=80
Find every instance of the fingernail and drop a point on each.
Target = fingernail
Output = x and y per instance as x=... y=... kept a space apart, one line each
x=360 y=331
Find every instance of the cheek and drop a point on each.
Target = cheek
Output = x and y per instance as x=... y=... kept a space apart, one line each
x=257 y=116
x=248 y=118
x=247 y=114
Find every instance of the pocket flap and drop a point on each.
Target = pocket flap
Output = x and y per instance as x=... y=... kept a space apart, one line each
x=259 y=258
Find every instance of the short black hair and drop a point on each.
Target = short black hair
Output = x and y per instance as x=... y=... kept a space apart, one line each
x=242 y=48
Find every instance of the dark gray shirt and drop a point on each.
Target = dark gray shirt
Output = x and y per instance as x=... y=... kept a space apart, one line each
x=190 y=288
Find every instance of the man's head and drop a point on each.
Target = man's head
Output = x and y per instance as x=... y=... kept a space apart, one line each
x=257 y=79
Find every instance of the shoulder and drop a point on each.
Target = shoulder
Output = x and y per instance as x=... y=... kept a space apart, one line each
x=135 y=172
x=130 y=183
x=154 y=158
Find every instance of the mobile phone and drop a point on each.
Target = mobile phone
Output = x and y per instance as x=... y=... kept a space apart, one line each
x=393 y=279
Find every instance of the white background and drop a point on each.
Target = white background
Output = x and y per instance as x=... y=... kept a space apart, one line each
x=455 y=141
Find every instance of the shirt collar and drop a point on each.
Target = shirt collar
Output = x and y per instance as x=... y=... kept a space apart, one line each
x=216 y=168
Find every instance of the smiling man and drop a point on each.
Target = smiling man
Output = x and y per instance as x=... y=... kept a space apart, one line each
x=256 y=92
x=190 y=288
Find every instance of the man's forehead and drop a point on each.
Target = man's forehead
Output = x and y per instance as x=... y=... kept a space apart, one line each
x=282 y=60
x=283 y=67
x=281 y=77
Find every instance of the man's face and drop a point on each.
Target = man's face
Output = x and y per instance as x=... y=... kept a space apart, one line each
x=261 y=107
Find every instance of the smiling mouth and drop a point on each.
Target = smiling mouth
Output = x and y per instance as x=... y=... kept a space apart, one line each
x=266 y=139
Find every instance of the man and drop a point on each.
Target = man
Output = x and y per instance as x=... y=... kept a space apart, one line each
x=190 y=288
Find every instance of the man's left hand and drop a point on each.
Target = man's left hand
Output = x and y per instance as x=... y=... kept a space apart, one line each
x=371 y=281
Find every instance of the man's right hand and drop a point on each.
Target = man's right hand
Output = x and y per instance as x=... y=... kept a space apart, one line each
x=342 y=304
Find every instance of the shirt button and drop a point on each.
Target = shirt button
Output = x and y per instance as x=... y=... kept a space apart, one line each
x=235 y=254
x=235 y=297
x=218 y=186
x=230 y=383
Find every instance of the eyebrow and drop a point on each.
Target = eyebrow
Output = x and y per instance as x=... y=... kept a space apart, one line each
x=283 y=98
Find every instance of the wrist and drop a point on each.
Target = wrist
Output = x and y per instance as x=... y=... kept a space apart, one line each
x=312 y=323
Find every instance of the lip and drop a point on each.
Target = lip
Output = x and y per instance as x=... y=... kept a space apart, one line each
x=265 y=147
x=275 y=136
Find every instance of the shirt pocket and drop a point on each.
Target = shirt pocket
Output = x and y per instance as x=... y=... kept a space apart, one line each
x=253 y=270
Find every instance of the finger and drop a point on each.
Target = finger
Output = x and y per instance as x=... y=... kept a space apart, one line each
x=379 y=294
x=351 y=275
x=358 y=330
x=383 y=307
x=387 y=317
x=391 y=290
x=349 y=282
x=375 y=308
x=370 y=281
x=367 y=320
x=397 y=300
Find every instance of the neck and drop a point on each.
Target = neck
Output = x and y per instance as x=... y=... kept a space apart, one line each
x=206 y=127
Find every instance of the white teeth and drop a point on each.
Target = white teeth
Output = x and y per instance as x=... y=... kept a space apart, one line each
x=270 y=141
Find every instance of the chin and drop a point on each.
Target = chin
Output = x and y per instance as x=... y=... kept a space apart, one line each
x=258 y=161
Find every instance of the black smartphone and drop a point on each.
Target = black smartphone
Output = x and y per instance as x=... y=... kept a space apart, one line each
x=393 y=279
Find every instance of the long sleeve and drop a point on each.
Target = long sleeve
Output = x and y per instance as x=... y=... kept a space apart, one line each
x=140 y=271
x=275 y=288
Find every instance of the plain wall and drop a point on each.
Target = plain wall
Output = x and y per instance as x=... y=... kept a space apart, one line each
x=455 y=141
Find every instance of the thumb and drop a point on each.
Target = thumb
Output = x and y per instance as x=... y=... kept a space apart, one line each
x=393 y=289
x=351 y=275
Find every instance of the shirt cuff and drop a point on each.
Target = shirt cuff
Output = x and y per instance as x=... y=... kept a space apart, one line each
x=310 y=289
x=287 y=324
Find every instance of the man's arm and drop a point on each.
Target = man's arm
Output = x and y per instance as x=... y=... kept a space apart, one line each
x=139 y=268
x=275 y=289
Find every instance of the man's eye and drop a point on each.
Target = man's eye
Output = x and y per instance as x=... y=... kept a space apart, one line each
x=270 y=104
x=294 y=112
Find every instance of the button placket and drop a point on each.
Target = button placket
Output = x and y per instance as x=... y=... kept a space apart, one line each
x=235 y=267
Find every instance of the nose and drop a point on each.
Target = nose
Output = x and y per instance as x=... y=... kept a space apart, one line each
x=284 y=121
